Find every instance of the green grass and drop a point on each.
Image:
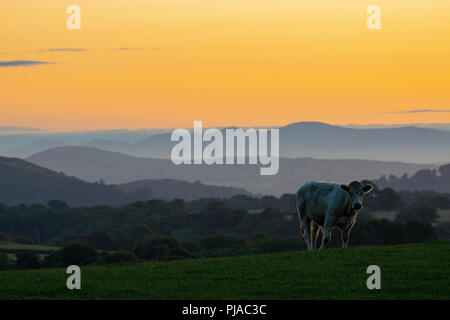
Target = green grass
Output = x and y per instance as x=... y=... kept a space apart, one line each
x=417 y=271
x=5 y=245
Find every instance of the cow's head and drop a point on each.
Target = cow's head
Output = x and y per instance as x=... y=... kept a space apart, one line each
x=356 y=191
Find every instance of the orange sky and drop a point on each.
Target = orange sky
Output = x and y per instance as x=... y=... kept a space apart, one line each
x=226 y=62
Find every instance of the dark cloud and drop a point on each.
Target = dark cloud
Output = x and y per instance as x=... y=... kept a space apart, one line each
x=422 y=111
x=47 y=50
x=21 y=63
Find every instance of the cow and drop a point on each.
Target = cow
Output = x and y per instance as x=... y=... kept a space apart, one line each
x=324 y=206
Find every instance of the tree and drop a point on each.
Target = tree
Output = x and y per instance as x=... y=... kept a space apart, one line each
x=445 y=171
x=76 y=253
x=120 y=257
x=216 y=215
x=101 y=241
x=443 y=230
x=4 y=261
x=422 y=214
x=221 y=241
x=57 y=205
x=128 y=235
x=434 y=201
x=387 y=232
x=28 y=260
x=192 y=247
x=384 y=199
x=417 y=231
x=155 y=247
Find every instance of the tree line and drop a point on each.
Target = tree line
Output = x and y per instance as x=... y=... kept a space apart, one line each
x=168 y=230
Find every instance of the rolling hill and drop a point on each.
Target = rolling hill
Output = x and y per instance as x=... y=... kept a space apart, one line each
x=413 y=271
x=33 y=147
x=24 y=182
x=92 y=164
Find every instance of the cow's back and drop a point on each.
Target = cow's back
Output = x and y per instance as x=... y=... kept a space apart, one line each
x=314 y=198
x=315 y=191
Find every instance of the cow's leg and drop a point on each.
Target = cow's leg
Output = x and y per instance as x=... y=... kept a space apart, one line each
x=326 y=234
x=316 y=237
x=306 y=225
x=304 y=234
x=345 y=236
x=314 y=234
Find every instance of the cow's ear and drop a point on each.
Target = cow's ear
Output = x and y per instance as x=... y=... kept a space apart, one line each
x=345 y=188
x=367 y=188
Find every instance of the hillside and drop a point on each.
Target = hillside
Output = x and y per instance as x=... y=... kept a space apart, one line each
x=172 y=189
x=415 y=271
x=24 y=182
x=92 y=164
x=33 y=147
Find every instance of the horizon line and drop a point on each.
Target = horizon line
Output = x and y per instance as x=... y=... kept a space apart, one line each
x=24 y=130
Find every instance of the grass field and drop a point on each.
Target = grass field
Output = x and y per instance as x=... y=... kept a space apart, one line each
x=416 y=271
x=10 y=248
x=5 y=245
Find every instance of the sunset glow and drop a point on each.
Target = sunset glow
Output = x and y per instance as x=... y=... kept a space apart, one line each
x=165 y=63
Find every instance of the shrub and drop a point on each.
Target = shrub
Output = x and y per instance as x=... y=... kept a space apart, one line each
x=192 y=247
x=28 y=260
x=120 y=257
x=179 y=253
x=4 y=261
x=155 y=247
x=101 y=241
x=75 y=253
x=417 y=231
x=279 y=244
x=222 y=241
x=216 y=215
x=422 y=214
x=443 y=230
x=387 y=232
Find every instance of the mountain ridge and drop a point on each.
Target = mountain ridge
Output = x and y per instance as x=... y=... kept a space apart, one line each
x=25 y=182
x=299 y=139
x=91 y=164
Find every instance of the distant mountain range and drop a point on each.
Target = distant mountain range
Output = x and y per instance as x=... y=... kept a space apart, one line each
x=92 y=165
x=25 y=144
x=24 y=182
x=322 y=141
x=34 y=147
x=303 y=139
x=408 y=144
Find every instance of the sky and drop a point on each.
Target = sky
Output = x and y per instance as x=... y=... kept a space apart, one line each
x=165 y=63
